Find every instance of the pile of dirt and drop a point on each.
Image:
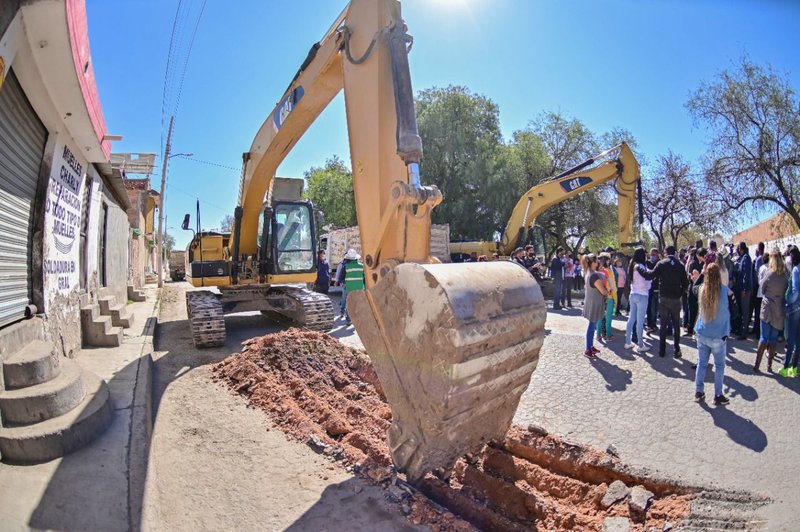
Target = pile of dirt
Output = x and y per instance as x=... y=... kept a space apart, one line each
x=326 y=394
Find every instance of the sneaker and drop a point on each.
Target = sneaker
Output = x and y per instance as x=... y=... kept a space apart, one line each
x=793 y=372
x=721 y=400
x=594 y=350
x=784 y=372
x=678 y=354
x=699 y=396
x=630 y=345
x=641 y=350
x=589 y=354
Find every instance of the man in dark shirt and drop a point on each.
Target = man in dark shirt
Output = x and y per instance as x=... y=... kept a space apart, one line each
x=530 y=262
x=557 y=273
x=323 y=282
x=672 y=282
x=743 y=285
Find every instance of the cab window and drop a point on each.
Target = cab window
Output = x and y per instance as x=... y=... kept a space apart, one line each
x=293 y=239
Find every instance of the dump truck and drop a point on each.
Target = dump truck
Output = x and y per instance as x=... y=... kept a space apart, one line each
x=177 y=265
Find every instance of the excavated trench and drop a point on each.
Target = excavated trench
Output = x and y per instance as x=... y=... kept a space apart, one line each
x=327 y=395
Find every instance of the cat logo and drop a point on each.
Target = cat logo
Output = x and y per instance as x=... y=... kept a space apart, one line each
x=2 y=71
x=571 y=185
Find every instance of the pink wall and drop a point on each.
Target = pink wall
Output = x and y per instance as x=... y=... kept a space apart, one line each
x=79 y=40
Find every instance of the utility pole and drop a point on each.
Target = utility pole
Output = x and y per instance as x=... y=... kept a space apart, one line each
x=160 y=236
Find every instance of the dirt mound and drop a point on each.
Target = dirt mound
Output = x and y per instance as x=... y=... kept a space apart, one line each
x=327 y=395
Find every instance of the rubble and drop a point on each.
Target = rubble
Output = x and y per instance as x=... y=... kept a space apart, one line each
x=327 y=395
x=616 y=492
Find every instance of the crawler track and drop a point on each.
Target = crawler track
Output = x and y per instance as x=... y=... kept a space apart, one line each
x=206 y=318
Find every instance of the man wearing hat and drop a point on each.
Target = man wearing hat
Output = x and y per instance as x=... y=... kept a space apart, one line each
x=351 y=276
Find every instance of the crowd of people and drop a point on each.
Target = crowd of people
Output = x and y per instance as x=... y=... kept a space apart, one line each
x=712 y=293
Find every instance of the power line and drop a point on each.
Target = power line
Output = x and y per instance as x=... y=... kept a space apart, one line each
x=189 y=53
x=209 y=163
x=166 y=71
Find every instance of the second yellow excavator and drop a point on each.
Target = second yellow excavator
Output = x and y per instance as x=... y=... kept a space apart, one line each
x=454 y=345
x=617 y=164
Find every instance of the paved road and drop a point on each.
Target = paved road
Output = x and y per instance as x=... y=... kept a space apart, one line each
x=644 y=406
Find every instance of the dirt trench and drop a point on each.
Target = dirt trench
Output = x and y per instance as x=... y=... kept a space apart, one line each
x=328 y=395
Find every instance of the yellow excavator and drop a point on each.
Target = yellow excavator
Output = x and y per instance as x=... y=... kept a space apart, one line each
x=618 y=164
x=454 y=345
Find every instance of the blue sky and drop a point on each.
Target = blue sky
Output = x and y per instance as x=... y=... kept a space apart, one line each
x=630 y=64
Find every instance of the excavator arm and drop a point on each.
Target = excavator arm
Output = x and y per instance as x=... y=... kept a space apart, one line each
x=453 y=345
x=617 y=164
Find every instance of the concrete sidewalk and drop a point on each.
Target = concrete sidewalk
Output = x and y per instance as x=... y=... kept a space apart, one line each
x=98 y=487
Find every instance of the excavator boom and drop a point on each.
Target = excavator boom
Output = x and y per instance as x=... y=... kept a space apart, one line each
x=453 y=345
x=617 y=164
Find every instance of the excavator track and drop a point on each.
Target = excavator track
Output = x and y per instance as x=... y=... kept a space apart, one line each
x=206 y=318
x=309 y=310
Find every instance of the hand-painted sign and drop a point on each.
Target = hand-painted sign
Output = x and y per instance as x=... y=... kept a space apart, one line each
x=572 y=184
x=63 y=207
x=286 y=107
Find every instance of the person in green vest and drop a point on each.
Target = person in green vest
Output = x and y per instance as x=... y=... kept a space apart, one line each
x=352 y=277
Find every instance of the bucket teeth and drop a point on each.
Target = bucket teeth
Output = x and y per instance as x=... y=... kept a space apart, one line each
x=454 y=346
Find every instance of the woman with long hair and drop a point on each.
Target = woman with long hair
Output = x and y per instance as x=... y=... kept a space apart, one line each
x=793 y=317
x=594 y=306
x=773 y=297
x=640 y=282
x=712 y=329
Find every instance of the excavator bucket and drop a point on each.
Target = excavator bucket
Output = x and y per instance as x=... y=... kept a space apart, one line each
x=454 y=346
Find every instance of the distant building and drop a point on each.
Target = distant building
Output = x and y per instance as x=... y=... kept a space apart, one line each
x=776 y=231
x=141 y=215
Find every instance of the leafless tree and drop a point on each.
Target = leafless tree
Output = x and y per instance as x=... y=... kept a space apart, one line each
x=754 y=149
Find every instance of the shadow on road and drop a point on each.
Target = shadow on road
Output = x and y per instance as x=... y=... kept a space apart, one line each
x=740 y=430
x=617 y=379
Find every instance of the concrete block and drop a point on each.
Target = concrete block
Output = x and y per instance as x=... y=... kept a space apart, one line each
x=63 y=434
x=44 y=401
x=35 y=363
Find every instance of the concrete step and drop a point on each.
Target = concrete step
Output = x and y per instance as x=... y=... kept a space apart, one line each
x=135 y=295
x=100 y=332
x=35 y=363
x=120 y=316
x=63 y=434
x=33 y=404
x=90 y=312
x=106 y=302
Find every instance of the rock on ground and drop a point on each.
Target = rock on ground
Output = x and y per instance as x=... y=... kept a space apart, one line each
x=615 y=493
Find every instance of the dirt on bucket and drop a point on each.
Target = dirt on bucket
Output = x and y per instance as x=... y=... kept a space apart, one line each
x=327 y=395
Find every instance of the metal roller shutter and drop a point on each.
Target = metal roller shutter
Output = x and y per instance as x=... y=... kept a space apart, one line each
x=22 y=141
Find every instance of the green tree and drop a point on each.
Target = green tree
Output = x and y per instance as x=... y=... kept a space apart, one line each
x=568 y=142
x=753 y=116
x=463 y=155
x=330 y=188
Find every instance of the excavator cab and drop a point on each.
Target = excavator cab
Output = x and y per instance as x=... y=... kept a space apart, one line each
x=286 y=238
